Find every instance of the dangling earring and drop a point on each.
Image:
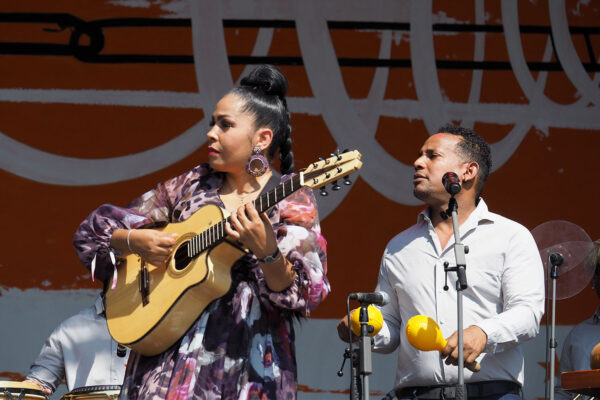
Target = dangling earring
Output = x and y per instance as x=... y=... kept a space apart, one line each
x=257 y=164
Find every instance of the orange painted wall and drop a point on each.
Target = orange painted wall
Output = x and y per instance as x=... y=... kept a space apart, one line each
x=551 y=176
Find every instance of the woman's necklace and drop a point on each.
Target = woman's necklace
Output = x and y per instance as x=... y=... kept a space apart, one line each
x=242 y=197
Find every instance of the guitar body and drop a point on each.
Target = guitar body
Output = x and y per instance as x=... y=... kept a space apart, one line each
x=176 y=295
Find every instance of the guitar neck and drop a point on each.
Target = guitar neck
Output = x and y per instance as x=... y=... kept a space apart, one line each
x=272 y=197
x=216 y=233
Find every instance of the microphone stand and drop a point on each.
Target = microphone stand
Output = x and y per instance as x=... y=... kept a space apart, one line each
x=556 y=260
x=365 y=366
x=461 y=284
x=355 y=386
x=360 y=359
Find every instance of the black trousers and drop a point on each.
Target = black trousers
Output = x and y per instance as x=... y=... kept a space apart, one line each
x=474 y=390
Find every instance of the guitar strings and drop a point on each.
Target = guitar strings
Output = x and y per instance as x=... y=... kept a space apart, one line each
x=216 y=233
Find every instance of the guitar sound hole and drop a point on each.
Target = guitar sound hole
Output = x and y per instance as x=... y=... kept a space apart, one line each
x=182 y=260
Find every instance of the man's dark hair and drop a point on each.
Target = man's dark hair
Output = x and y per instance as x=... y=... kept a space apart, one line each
x=472 y=147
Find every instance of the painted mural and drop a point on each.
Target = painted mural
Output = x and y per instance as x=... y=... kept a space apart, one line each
x=100 y=100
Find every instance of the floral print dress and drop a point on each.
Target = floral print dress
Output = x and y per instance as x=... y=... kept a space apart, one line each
x=242 y=345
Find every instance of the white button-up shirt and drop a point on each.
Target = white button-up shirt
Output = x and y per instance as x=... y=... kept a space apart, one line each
x=505 y=296
x=81 y=351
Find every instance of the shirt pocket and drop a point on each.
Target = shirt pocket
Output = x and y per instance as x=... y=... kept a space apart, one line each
x=484 y=278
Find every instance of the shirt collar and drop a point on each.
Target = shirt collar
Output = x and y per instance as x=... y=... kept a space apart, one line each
x=480 y=214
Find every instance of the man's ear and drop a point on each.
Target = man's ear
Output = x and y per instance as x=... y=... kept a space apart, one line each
x=471 y=172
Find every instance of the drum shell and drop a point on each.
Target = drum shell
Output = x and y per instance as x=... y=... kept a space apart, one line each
x=15 y=389
x=109 y=392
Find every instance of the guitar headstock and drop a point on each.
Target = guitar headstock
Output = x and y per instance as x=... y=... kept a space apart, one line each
x=322 y=172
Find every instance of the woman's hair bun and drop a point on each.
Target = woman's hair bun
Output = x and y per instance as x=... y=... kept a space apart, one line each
x=267 y=79
x=263 y=91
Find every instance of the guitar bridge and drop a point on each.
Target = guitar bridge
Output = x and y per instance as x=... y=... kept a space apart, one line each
x=144 y=279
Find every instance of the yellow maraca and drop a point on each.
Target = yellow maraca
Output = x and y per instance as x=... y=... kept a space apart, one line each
x=375 y=320
x=425 y=334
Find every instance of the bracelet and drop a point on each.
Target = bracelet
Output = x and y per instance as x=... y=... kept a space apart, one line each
x=129 y=245
x=271 y=258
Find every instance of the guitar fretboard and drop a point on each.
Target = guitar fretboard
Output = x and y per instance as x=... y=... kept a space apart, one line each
x=216 y=233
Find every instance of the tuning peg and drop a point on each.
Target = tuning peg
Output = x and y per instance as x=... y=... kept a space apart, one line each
x=323 y=192
x=345 y=150
x=335 y=186
x=347 y=180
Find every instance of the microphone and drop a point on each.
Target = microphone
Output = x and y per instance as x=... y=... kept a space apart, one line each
x=378 y=298
x=451 y=183
x=557 y=259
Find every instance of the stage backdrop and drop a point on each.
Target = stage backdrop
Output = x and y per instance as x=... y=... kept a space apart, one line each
x=102 y=99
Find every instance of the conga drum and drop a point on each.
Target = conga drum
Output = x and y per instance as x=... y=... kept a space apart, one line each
x=98 y=392
x=11 y=390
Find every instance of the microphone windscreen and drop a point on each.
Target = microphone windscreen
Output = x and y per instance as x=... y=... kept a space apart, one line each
x=375 y=320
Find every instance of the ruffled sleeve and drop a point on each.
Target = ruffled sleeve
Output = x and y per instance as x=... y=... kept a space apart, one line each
x=299 y=239
x=92 y=238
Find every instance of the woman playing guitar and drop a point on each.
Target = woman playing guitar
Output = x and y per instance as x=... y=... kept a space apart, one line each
x=241 y=345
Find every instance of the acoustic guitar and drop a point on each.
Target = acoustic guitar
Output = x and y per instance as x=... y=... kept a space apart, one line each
x=151 y=307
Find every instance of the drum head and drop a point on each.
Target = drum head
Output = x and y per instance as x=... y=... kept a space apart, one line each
x=15 y=389
x=100 y=392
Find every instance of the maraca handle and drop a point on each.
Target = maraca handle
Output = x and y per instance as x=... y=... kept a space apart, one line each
x=473 y=366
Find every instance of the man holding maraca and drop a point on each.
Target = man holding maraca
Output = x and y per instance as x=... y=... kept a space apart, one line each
x=503 y=303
